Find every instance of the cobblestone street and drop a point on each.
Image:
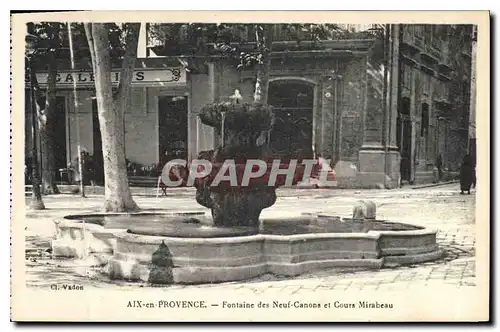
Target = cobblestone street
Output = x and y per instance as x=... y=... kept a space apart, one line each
x=440 y=207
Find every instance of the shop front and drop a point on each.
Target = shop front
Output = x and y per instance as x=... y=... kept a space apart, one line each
x=156 y=122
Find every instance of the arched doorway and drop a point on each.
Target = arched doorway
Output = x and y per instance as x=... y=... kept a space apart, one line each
x=292 y=134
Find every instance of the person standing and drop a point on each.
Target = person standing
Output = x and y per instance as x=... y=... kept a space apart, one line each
x=473 y=159
x=466 y=175
x=439 y=166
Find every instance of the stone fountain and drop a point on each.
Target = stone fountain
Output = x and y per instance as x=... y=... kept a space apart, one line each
x=239 y=126
x=234 y=242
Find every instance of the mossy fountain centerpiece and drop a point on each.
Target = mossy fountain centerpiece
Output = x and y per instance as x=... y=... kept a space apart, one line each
x=242 y=129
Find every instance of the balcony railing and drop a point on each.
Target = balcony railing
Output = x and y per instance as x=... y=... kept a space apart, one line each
x=442 y=91
x=435 y=52
x=419 y=42
x=442 y=95
x=444 y=65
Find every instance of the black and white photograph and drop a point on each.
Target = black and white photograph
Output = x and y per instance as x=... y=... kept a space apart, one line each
x=274 y=168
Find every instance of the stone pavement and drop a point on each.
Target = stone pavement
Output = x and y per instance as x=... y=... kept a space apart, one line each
x=440 y=207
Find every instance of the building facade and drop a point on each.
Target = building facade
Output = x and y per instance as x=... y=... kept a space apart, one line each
x=378 y=116
x=434 y=99
x=472 y=114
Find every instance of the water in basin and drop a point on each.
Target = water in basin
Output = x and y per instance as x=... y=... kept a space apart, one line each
x=199 y=225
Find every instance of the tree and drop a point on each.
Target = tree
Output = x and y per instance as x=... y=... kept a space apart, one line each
x=36 y=197
x=111 y=105
x=49 y=36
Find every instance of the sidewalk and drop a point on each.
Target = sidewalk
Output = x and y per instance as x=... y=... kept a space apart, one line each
x=440 y=207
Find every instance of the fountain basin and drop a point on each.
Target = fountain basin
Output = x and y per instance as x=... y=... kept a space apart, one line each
x=186 y=249
x=207 y=260
x=78 y=239
x=81 y=235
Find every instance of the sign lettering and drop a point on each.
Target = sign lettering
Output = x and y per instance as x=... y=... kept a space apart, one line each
x=162 y=77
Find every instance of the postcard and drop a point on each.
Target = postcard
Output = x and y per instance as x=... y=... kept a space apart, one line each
x=250 y=166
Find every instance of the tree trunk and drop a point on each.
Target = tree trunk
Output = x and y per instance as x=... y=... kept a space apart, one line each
x=118 y=197
x=36 y=197
x=47 y=129
x=262 y=81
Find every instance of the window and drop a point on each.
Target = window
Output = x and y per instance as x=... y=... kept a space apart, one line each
x=436 y=37
x=438 y=89
x=410 y=28
x=426 y=83
x=405 y=106
x=446 y=90
x=418 y=30
x=427 y=33
x=442 y=90
x=424 y=127
x=407 y=76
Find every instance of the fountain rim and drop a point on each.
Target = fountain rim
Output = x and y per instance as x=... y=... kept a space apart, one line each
x=370 y=235
x=123 y=233
x=76 y=217
x=76 y=221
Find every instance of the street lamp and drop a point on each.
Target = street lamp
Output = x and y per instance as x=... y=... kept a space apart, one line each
x=36 y=198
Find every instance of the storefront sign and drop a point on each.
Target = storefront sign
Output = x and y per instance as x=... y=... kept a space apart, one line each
x=163 y=77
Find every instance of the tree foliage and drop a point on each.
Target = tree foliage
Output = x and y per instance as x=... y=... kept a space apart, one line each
x=53 y=37
x=244 y=42
x=50 y=35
